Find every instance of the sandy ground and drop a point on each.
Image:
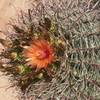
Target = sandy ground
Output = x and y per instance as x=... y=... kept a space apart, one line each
x=6 y=91
x=8 y=9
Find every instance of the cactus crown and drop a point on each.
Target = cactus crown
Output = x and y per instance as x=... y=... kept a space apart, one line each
x=72 y=28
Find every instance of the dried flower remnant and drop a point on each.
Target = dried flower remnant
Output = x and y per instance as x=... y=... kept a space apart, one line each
x=39 y=54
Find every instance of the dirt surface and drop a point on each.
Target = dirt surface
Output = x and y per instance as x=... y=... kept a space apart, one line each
x=8 y=9
x=6 y=91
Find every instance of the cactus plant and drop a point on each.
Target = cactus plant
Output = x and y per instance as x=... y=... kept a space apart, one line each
x=72 y=28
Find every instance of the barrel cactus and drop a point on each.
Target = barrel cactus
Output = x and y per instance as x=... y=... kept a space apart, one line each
x=71 y=30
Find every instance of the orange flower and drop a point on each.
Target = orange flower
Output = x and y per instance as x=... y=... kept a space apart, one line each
x=39 y=54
